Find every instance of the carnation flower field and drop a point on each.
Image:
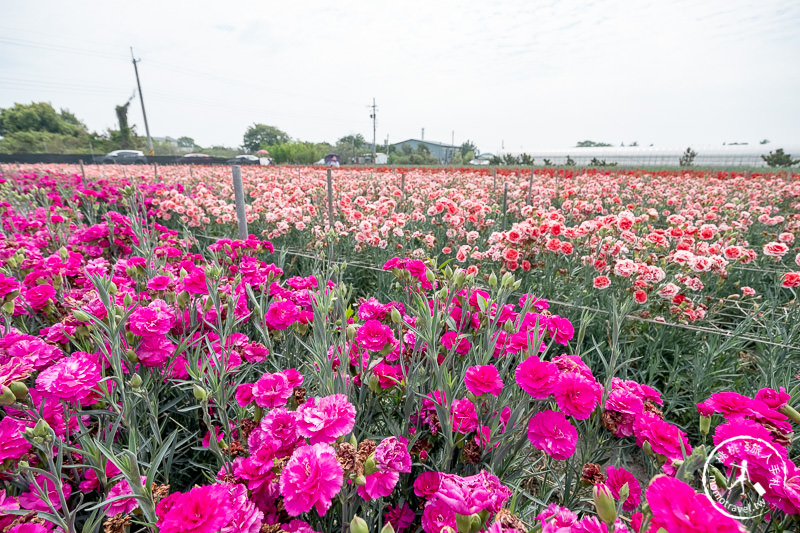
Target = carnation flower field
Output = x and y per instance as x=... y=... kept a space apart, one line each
x=434 y=350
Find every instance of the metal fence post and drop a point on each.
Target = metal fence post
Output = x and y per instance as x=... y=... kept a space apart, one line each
x=330 y=199
x=83 y=173
x=238 y=195
x=402 y=187
x=530 y=189
x=505 y=204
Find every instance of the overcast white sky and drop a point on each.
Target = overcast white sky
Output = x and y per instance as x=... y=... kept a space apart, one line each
x=525 y=74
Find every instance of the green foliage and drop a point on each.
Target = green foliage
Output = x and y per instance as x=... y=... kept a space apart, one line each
x=526 y=159
x=779 y=159
x=509 y=159
x=304 y=153
x=570 y=162
x=469 y=156
x=187 y=142
x=687 y=158
x=601 y=163
x=591 y=144
x=39 y=116
x=220 y=151
x=408 y=156
x=353 y=140
x=125 y=138
x=260 y=136
x=466 y=148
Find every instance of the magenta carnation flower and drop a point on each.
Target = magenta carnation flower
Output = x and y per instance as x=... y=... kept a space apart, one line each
x=203 y=509
x=39 y=296
x=379 y=485
x=155 y=351
x=155 y=319
x=576 y=395
x=427 y=484
x=551 y=432
x=7 y=285
x=281 y=425
x=195 y=282
x=391 y=455
x=311 y=478
x=454 y=340
x=463 y=416
x=125 y=505
x=282 y=314
x=399 y=517
x=483 y=380
x=772 y=398
x=616 y=478
x=29 y=528
x=536 y=377
x=70 y=379
x=664 y=438
x=272 y=390
x=326 y=419
x=677 y=508
x=374 y=336
x=247 y=518
x=11 y=435
x=438 y=515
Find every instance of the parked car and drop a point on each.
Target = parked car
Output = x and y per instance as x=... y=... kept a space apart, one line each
x=201 y=159
x=244 y=160
x=125 y=157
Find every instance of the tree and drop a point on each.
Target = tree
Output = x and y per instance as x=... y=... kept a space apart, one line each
x=763 y=141
x=591 y=144
x=570 y=162
x=260 y=136
x=687 y=158
x=526 y=159
x=467 y=147
x=187 y=142
x=125 y=141
x=357 y=140
x=39 y=116
x=780 y=159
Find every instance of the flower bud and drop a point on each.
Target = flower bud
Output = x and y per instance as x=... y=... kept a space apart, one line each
x=604 y=503
x=508 y=326
x=136 y=381
x=112 y=288
x=183 y=299
x=705 y=424
x=395 y=316
x=81 y=316
x=19 y=389
x=6 y=396
x=351 y=332
x=790 y=411
x=128 y=299
x=131 y=356
x=507 y=280
x=369 y=465
x=459 y=278
x=360 y=481
x=42 y=428
x=387 y=528
x=430 y=276
x=492 y=280
x=358 y=525
x=200 y=393
x=8 y=307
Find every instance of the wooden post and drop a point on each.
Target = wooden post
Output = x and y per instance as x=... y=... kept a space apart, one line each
x=83 y=172
x=494 y=183
x=530 y=189
x=402 y=187
x=238 y=195
x=124 y=173
x=505 y=204
x=330 y=199
x=191 y=174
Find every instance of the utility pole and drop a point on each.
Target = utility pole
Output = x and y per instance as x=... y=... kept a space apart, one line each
x=374 y=117
x=141 y=99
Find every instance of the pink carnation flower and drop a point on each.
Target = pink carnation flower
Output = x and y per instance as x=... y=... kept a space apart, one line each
x=311 y=478
x=616 y=478
x=551 y=432
x=39 y=296
x=272 y=390
x=453 y=339
x=281 y=426
x=463 y=416
x=400 y=517
x=203 y=509
x=482 y=380
x=391 y=455
x=536 y=377
x=125 y=505
x=155 y=319
x=14 y=443
x=576 y=395
x=325 y=419
x=282 y=314
x=379 y=485
x=677 y=508
x=438 y=515
x=664 y=438
x=374 y=336
x=70 y=379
